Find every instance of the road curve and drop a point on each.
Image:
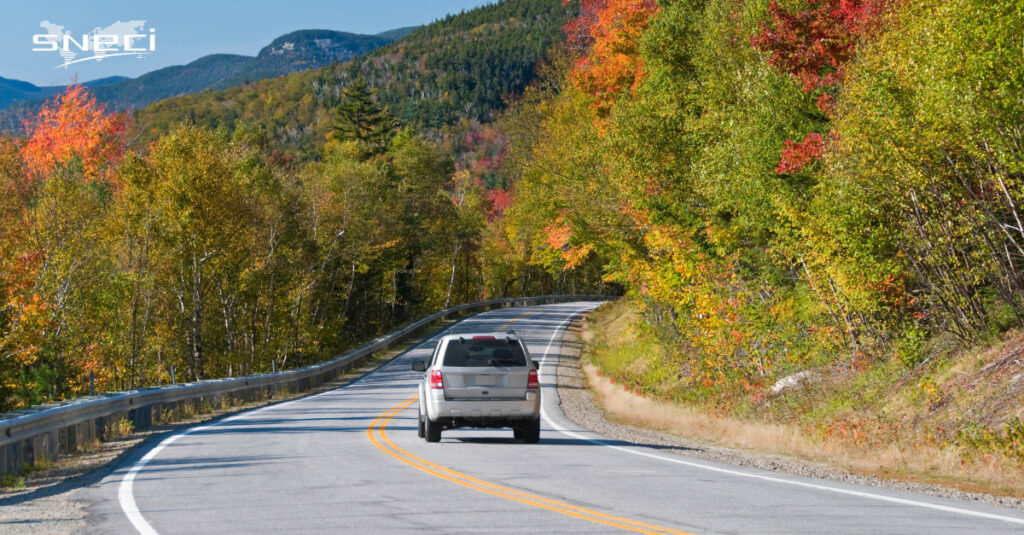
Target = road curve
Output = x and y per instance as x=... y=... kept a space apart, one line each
x=350 y=460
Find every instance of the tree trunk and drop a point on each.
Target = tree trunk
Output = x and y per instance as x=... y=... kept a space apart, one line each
x=451 y=280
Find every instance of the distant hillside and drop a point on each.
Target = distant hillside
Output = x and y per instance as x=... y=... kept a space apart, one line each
x=12 y=91
x=290 y=53
x=462 y=66
x=397 y=33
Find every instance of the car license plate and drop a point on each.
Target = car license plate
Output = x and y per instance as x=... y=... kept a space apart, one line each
x=484 y=380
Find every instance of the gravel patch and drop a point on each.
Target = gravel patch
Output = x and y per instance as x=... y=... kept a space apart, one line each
x=44 y=516
x=43 y=505
x=579 y=405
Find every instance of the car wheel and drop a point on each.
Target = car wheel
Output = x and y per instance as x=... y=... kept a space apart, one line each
x=432 y=430
x=420 y=431
x=531 y=431
x=517 y=431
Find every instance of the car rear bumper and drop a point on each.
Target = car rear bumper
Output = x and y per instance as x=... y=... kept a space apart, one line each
x=440 y=409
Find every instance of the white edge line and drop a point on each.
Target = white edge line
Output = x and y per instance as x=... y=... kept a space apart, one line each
x=125 y=495
x=124 y=491
x=848 y=492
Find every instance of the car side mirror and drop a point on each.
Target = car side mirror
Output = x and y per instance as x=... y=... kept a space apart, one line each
x=419 y=366
x=536 y=364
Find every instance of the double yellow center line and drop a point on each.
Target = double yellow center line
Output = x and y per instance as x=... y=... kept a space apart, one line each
x=378 y=436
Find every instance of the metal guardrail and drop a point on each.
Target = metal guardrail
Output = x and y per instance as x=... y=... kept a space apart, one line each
x=51 y=428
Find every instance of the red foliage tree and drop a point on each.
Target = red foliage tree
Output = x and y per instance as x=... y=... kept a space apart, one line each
x=798 y=154
x=577 y=30
x=500 y=201
x=813 y=46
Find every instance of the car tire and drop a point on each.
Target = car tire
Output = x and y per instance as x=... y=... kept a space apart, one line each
x=531 y=431
x=432 y=430
x=517 y=431
x=420 y=430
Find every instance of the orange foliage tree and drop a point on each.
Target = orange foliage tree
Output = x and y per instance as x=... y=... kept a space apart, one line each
x=613 y=63
x=74 y=124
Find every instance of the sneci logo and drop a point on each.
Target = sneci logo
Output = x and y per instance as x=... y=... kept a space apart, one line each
x=119 y=39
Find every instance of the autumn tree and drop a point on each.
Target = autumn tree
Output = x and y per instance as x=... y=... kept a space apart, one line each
x=814 y=44
x=200 y=189
x=612 y=63
x=60 y=184
x=74 y=124
x=928 y=140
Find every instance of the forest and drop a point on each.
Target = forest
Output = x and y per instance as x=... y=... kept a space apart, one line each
x=206 y=252
x=824 y=187
x=223 y=245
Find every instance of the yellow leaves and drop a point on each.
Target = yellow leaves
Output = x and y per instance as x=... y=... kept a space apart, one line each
x=574 y=256
x=35 y=307
x=26 y=333
x=387 y=244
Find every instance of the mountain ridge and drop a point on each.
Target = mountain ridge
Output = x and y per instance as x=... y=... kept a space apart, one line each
x=289 y=53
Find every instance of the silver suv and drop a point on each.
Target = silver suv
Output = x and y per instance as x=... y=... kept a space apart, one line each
x=479 y=380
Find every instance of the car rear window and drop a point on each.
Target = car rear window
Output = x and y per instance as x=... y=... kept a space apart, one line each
x=484 y=353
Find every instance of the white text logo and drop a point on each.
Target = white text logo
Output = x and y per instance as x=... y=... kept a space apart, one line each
x=119 y=39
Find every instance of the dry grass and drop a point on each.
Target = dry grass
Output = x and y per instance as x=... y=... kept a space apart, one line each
x=899 y=446
x=922 y=463
x=119 y=428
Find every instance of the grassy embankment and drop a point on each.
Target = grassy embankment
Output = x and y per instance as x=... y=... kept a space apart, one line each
x=953 y=420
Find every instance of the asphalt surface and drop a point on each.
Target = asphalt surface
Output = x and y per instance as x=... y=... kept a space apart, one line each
x=349 y=460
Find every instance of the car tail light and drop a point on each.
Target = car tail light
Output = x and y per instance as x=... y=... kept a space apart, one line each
x=436 y=381
x=533 y=383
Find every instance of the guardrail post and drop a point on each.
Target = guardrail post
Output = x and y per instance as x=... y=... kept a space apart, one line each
x=5 y=466
x=99 y=427
x=142 y=417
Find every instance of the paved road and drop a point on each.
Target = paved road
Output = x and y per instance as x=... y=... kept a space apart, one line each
x=349 y=460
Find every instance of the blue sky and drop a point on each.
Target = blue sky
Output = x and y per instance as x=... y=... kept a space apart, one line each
x=189 y=29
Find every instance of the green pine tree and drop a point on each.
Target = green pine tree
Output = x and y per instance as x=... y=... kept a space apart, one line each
x=359 y=117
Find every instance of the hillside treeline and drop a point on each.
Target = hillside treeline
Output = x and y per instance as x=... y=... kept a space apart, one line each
x=459 y=68
x=783 y=185
x=209 y=253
